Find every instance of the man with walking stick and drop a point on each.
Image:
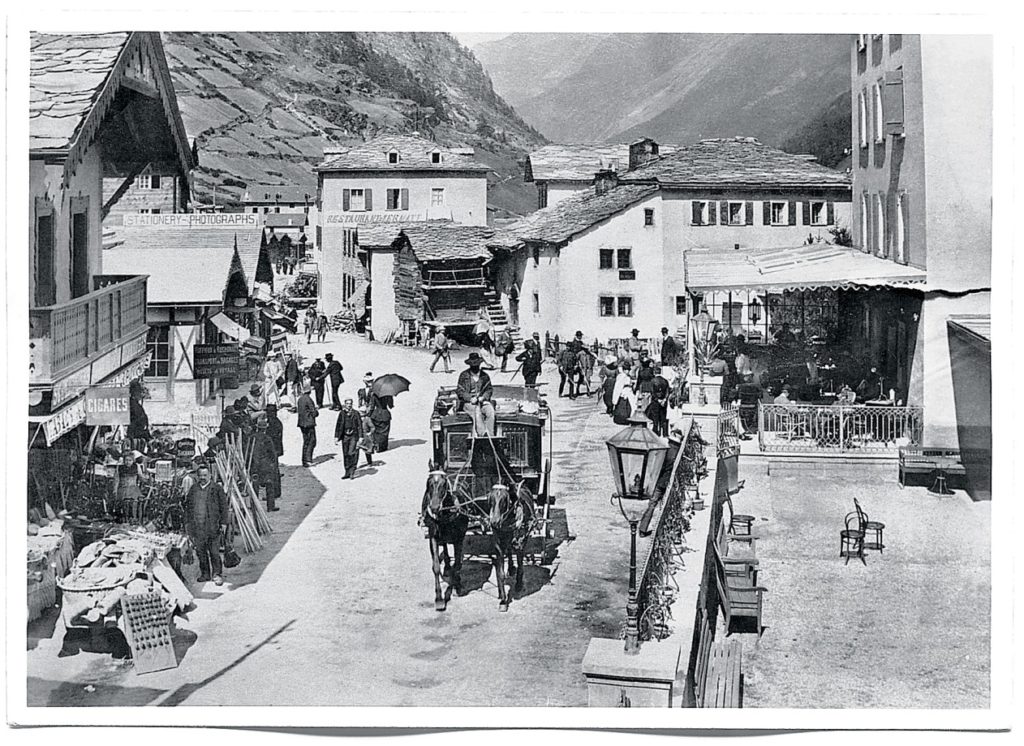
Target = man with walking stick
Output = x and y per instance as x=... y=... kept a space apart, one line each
x=206 y=518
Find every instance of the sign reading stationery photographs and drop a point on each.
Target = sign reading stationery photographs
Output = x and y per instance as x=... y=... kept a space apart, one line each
x=215 y=360
x=186 y=220
x=107 y=405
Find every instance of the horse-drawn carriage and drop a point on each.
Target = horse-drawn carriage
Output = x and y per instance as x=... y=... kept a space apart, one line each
x=495 y=487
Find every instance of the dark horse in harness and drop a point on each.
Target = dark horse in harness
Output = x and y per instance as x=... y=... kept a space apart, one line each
x=445 y=523
x=511 y=520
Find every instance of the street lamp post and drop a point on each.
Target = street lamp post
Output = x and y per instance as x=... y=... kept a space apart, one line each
x=703 y=326
x=636 y=456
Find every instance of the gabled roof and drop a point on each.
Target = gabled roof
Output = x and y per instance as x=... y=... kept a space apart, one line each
x=796 y=268
x=286 y=219
x=431 y=241
x=73 y=79
x=579 y=162
x=248 y=239
x=192 y=275
x=414 y=154
x=735 y=162
x=279 y=193
x=578 y=212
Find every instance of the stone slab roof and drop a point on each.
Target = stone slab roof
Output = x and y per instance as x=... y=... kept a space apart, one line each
x=286 y=219
x=579 y=162
x=736 y=162
x=432 y=241
x=271 y=193
x=414 y=154
x=67 y=73
x=578 y=212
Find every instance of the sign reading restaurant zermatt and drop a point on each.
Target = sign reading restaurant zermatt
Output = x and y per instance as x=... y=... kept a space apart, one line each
x=369 y=217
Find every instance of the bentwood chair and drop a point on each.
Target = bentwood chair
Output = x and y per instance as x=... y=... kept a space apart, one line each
x=872 y=530
x=851 y=538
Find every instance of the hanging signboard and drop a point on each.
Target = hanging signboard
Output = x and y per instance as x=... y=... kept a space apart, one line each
x=216 y=360
x=107 y=405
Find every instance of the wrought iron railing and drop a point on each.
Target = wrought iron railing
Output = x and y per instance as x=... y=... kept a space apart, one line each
x=855 y=428
x=662 y=557
x=729 y=428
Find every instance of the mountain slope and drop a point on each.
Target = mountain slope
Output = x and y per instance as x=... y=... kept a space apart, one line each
x=263 y=106
x=673 y=87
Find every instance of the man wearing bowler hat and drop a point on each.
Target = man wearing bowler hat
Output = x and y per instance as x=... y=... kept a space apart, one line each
x=474 y=391
x=336 y=378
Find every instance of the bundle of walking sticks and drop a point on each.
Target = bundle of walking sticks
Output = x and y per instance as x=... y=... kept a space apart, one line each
x=251 y=519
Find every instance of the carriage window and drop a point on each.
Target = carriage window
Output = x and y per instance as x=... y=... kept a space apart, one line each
x=458 y=447
x=516 y=447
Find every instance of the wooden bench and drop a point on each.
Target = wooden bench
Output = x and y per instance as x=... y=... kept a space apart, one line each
x=739 y=554
x=938 y=461
x=724 y=684
x=740 y=597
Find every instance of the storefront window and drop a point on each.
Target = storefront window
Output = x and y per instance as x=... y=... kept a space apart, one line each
x=159 y=347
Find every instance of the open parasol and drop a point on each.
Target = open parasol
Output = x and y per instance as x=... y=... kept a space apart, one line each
x=390 y=384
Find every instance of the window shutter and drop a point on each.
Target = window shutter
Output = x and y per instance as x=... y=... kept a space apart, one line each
x=405 y=199
x=723 y=212
x=369 y=200
x=346 y=200
x=792 y=213
x=807 y=213
x=905 y=204
x=695 y=213
x=892 y=102
x=712 y=213
x=749 y=213
x=766 y=212
x=869 y=239
x=830 y=213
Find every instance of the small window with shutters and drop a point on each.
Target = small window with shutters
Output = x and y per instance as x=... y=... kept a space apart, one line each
x=398 y=199
x=892 y=102
x=735 y=213
x=878 y=113
x=702 y=213
x=776 y=213
x=819 y=213
x=862 y=119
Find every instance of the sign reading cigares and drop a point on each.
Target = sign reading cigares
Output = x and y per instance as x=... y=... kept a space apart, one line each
x=107 y=405
x=215 y=360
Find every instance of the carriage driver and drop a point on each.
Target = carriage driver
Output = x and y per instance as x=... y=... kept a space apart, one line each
x=474 y=393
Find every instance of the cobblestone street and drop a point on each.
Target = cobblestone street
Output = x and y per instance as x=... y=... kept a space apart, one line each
x=337 y=609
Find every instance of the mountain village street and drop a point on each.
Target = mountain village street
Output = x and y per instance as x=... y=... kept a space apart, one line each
x=345 y=581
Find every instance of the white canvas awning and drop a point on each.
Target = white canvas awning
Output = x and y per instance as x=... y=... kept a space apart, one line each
x=798 y=268
x=230 y=327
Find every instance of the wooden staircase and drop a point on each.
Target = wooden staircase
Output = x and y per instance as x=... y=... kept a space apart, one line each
x=499 y=319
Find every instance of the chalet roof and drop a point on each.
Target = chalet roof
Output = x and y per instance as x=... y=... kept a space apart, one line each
x=248 y=239
x=735 y=162
x=796 y=268
x=579 y=162
x=286 y=219
x=279 y=193
x=192 y=275
x=431 y=241
x=577 y=212
x=414 y=154
x=73 y=79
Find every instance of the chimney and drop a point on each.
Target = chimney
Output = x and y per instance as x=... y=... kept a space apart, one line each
x=604 y=181
x=642 y=152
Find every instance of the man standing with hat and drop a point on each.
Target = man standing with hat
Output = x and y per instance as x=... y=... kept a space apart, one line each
x=347 y=432
x=669 y=348
x=257 y=400
x=307 y=414
x=530 y=358
x=206 y=518
x=365 y=391
x=317 y=378
x=474 y=391
x=540 y=347
x=263 y=467
x=334 y=373
x=440 y=350
x=275 y=429
x=293 y=379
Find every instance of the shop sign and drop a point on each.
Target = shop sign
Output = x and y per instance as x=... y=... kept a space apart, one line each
x=215 y=360
x=352 y=218
x=64 y=421
x=107 y=405
x=192 y=219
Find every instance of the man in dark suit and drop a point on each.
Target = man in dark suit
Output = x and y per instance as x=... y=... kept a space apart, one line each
x=334 y=373
x=275 y=429
x=206 y=519
x=531 y=360
x=318 y=379
x=307 y=414
x=669 y=348
x=348 y=431
x=263 y=466
x=293 y=378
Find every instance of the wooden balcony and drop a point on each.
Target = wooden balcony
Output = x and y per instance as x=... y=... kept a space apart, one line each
x=67 y=336
x=443 y=279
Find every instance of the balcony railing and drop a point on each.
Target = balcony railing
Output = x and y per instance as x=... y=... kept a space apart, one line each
x=447 y=278
x=65 y=336
x=855 y=428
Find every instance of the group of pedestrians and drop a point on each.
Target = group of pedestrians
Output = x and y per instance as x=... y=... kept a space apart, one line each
x=285 y=265
x=315 y=325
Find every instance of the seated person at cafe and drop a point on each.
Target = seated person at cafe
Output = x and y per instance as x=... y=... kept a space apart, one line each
x=742 y=361
x=870 y=386
x=783 y=397
x=474 y=392
x=785 y=336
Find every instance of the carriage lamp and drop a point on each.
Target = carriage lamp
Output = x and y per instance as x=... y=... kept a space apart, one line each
x=636 y=455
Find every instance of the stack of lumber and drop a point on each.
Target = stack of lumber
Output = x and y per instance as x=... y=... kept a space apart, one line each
x=250 y=517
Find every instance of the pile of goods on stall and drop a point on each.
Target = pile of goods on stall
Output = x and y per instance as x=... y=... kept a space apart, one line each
x=50 y=554
x=303 y=286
